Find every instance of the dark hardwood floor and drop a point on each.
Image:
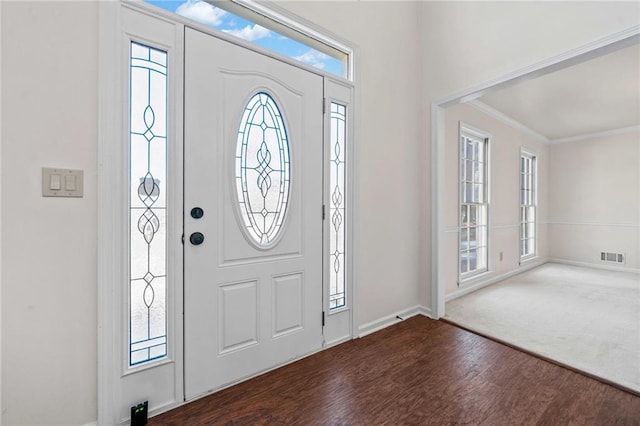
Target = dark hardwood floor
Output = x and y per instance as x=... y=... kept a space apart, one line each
x=419 y=371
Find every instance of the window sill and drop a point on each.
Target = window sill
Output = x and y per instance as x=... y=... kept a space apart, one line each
x=472 y=279
x=337 y=310
x=527 y=259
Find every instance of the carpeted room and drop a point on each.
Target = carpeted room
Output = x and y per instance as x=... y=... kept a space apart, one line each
x=563 y=243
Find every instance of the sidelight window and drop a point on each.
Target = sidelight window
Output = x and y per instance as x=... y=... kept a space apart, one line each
x=337 y=151
x=148 y=204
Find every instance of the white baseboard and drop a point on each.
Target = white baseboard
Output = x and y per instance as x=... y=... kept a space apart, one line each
x=384 y=322
x=484 y=283
x=423 y=310
x=595 y=265
x=94 y=423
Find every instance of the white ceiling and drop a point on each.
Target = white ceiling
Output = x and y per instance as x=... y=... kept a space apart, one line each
x=595 y=96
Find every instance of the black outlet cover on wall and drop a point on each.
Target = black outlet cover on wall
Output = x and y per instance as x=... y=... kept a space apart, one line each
x=139 y=414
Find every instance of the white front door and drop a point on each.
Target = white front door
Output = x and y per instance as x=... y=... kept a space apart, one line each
x=253 y=213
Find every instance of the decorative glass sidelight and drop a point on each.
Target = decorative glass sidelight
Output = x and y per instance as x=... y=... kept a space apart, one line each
x=148 y=204
x=337 y=294
x=262 y=169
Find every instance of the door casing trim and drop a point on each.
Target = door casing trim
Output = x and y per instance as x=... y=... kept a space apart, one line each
x=112 y=266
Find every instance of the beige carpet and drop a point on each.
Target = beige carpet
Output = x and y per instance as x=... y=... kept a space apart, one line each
x=585 y=318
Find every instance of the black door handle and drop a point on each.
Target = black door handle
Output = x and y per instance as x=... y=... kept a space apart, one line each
x=196 y=238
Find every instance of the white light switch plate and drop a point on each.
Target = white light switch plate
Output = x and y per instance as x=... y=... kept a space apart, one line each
x=62 y=182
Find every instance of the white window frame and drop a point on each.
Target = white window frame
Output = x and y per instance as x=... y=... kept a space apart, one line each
x=534 y=205
x=275 y=18
x=114 y=375
x=470 y=132
x=340 y=323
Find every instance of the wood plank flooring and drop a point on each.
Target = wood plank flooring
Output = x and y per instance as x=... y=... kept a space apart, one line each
x=419 y=371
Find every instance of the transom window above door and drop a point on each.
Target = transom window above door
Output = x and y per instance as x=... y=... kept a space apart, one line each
x=281 y=40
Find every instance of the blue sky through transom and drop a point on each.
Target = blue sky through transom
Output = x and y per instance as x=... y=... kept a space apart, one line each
x=227 y=22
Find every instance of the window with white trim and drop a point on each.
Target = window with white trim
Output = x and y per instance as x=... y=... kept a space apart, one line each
x=528 y=204
x=474 y=203
x=235 y=19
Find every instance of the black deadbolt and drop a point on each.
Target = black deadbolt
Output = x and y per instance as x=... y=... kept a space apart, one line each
x=197 y=212
x=196 y=238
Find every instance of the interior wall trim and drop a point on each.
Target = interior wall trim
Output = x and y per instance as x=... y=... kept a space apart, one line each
x=386 y=321
x=613 y=132
x=503 y=118
x=612 y=225
x=595 y=265
x=506 y=226
x=455 y=229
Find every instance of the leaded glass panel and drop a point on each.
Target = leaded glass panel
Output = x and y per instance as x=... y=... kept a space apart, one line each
x=337 y=293
x=262 y=169
x=147 y=221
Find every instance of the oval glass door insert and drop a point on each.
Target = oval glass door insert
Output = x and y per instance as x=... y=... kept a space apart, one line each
x=262 y=169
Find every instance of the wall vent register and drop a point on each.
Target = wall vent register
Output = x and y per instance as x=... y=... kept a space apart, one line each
x=612 y=257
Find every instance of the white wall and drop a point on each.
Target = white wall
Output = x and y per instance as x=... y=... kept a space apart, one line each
x=49 y=328
x=504 y=204
x=467 y=43
x=594 y=202
x=387 y=259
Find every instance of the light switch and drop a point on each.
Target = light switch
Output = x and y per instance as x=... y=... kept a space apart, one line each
x=62 y=182
x=55 y=183
x=69 y=183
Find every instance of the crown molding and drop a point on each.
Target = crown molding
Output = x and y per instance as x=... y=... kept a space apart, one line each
x=492 y=112
x=606 y=133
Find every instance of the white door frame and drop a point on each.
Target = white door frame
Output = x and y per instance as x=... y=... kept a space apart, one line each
x=112 y=175
x=597 y=48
